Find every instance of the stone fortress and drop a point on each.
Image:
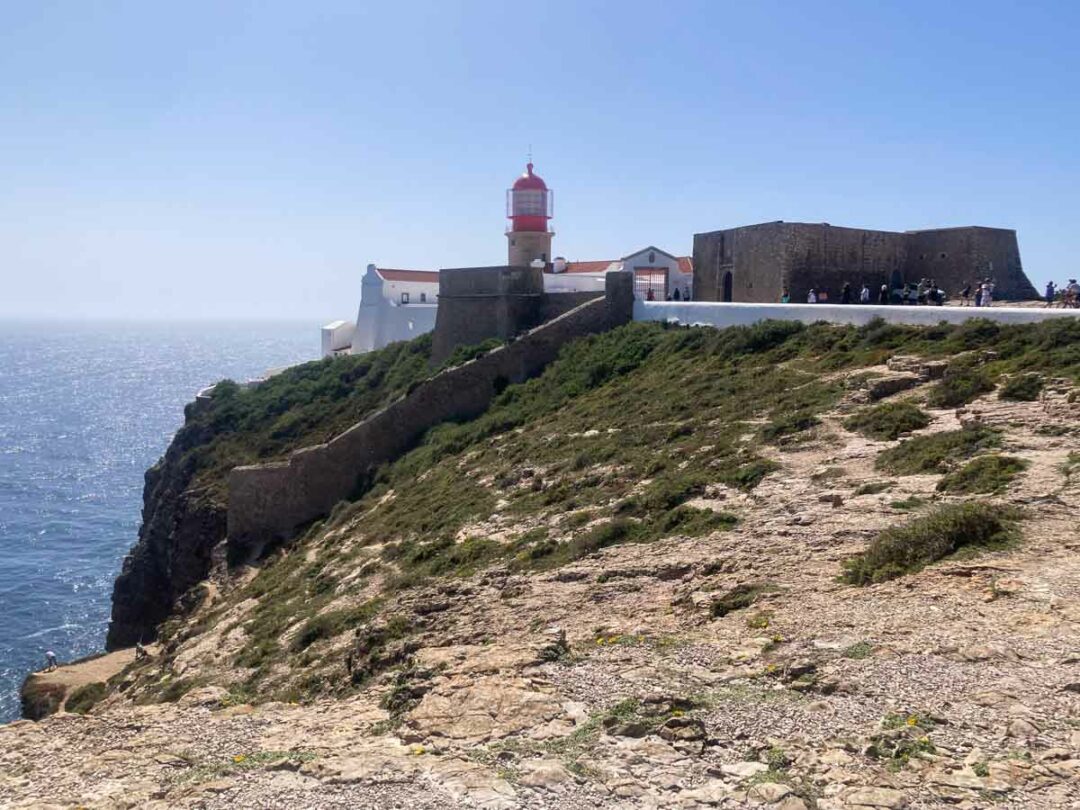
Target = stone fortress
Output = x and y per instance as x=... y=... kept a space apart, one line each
x=757 y=263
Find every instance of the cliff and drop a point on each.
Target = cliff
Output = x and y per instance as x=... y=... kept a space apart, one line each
x=782 y=566
x=183 y=517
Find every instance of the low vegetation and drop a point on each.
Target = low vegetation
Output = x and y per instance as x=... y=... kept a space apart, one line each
x=85 y=697
x=1022 y=388
x=960 y=386
x=888 y=421
x=936 y=452
x=630 y=436
x=739 y=597
x=983 y=475
x=946 y=530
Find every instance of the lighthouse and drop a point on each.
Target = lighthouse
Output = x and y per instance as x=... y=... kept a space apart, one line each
x=529 y=206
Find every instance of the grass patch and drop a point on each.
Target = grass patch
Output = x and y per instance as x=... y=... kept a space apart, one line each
x=906 y=549
x=959 y=386
x=739 y=597
x=934 y=453
x=983 y=475
x=909 y=504
x=874 y=487
x=332 y=623
x=1022 y=388
x=858 y=651
x=85 y=697
x=888 y=421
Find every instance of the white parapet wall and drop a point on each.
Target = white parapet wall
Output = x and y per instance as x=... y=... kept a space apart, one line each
x=709 y=313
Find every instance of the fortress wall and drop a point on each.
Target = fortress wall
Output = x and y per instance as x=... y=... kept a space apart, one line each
x=955 y=257
x=763 y=259
x=824 y=257
x=757 y=256
x=552 y=305
x=272 y=501
x=720 y=315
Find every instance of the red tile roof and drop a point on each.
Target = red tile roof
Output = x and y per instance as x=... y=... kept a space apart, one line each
x=686 y=265
x=588 y=267
x=430 y=276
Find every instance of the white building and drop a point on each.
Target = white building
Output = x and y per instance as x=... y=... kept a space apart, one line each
x=658 y=275
x=394 y=305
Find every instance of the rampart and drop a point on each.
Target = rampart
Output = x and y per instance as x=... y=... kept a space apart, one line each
x=272 y=501
x=755 y=264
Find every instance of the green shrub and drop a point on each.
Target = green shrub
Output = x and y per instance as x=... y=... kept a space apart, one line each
x=888 y=421
x=959 y=387
x=905 y=549
x=934 y=452
x=788 y=424
x=332 y=623
x=983 y=475
x=85 y=697
x=874 y=487
x=1024 y=388
x=739 y=597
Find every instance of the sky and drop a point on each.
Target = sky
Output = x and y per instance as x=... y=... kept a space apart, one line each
x=249 y=159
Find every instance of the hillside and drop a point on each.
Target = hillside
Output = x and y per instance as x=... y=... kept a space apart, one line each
x=782 y=565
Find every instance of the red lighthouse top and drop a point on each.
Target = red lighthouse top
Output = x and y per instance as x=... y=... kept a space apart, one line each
x=529 y=204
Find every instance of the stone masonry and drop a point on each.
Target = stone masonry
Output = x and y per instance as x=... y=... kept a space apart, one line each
x=754 y=264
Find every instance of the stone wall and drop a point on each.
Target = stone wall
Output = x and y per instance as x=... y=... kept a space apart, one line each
x=272 y=501
x=760 y=261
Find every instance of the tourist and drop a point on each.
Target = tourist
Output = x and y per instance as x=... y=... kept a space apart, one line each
x=920 y=291
x=965 y=295
x=1071 y=299
x=140 y=651
x=883 y=295
x=987 y=293
x=649 y=295
x=845 y=293
x=50 y=660
x=978 y=294
x=1051 y=293
x=934 y=295
x=864 y=295
x=811 y=297
x=823 y=296
x=677 y=295
x=785 y=296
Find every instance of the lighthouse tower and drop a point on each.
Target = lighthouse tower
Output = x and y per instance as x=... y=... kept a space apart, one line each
x=529 y=206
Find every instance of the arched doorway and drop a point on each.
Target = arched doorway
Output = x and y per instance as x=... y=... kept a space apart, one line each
x=725 y=294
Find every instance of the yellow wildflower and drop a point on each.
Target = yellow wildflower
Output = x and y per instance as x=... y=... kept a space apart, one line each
x=913 y=720
x=418 y=750
x=239 y=758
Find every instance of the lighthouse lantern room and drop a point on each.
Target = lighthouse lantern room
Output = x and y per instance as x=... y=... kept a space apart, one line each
x=529 y=207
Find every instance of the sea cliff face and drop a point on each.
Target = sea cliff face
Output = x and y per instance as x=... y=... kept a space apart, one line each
x=181 y=525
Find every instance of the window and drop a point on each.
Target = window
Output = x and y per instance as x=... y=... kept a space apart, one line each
x=423 y=298
x=404 y=298
x=652 y=257
x=943 y=256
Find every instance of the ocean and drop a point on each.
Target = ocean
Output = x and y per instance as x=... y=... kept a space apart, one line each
x=84 y=411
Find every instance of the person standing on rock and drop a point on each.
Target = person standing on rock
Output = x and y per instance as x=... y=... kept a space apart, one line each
x=50 y=660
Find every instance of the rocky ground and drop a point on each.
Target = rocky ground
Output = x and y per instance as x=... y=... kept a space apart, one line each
x=611 y=682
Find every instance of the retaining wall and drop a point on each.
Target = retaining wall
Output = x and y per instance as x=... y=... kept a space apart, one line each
x=709 y=313
x=271 y=501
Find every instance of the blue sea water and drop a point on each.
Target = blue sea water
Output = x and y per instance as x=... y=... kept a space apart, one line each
x=84 y=411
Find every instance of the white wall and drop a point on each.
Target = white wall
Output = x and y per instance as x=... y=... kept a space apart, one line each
x=573 y=282
x=337 y=337
x=709 y=313
x=384 y=323
x=392 y=291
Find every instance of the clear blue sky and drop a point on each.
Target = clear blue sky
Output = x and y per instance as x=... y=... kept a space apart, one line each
x=217 y=159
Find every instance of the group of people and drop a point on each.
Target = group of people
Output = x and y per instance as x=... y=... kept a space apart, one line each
x=1067 y=296
x=979 y=293
x=677 y=295
x=925 y=292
